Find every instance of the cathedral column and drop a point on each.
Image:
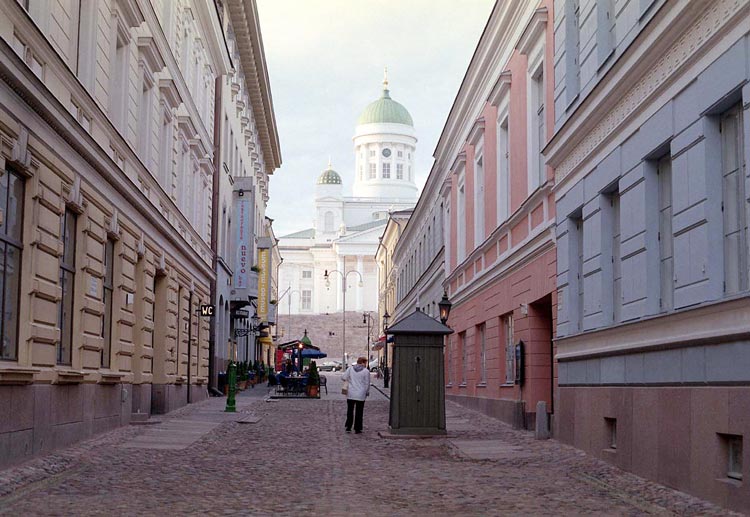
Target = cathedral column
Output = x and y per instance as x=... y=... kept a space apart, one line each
x=360 y=290
x=340 y=264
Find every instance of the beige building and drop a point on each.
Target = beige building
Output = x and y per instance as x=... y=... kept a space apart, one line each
x=106 y=172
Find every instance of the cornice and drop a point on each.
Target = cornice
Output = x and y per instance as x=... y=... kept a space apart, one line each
x=458 y=163
x=150 y=53
x=493 y=50
x=500 y=89
x=246 y=27
x=477 y=131
x=675 y=38
x=169 y=91
x=534 y=30
x=59 y=121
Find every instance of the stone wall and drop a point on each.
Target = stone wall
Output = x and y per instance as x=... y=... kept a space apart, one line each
x=326 y=331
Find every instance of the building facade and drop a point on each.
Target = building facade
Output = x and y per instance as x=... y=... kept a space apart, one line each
x=388 y=276
x=107 y=173
x=346 y=231
x=497 y=195
x=649 y=151
x=249 y=152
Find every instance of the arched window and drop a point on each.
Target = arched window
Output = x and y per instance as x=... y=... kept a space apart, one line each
x=329 y=222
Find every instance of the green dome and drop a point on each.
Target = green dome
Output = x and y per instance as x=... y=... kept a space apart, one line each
x=329 y=177
x=385 y=111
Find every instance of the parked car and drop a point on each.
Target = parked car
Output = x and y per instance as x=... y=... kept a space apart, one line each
x=374 y=365
x=330 y=366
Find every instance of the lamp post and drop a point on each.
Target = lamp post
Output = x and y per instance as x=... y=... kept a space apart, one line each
x=367 y=318
x=326 y=275
x=386 y=375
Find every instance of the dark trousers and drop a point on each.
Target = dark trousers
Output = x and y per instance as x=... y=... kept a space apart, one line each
x=354 y=411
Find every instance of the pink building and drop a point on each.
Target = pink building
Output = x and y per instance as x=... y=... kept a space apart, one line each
x=500 y=255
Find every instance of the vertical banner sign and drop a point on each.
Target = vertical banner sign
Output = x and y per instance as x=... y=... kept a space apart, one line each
x=263 y=264
x=243 y=243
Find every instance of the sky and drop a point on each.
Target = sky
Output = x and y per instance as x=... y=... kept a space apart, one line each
x=325 y=61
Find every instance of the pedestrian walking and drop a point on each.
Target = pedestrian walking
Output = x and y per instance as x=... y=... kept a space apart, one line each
x=358 y=377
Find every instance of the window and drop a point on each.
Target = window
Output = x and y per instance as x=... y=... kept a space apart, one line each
x=373 y=170
x=11 y=245
x=28 y=57
x=386 y=170
x=109 y=257
x=144 y=122
x=503 y=171
x=735 y=221
x=399 y=171
x=328 y=222
x=306 y=300
x=537 y=129
x=449 y=354
x=461 y=220
x=165 y=152
x=482 y=346
x=605 y=29
x=614 y=200
x=464 y=356
x=732 y=445
x=666 y=258
x=306 y=273
x=361 y=172
x=400 y=154
x=572 y=49
x=611 y=427
x=118 y=90
x=410 y=178
x=506 y=323
x=80 y=116
x=67 y=282
x=372 y=153
x=478 y=199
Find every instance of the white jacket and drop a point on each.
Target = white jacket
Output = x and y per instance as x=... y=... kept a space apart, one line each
x=359 y=382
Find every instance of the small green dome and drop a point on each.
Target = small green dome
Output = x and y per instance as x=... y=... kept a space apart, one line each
x=329 y=177
x=306 y=340
x=385 y=111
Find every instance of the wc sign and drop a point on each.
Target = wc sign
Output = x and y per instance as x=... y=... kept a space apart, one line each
x=207 y=310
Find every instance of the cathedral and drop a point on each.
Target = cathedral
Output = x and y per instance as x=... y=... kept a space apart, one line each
x=346 y=230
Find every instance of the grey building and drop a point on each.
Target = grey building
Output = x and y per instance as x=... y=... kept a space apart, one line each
x=649 y=151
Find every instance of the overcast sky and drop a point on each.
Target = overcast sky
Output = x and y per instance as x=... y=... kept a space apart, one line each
x=325 y=61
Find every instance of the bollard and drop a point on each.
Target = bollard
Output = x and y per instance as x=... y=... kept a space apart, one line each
x=231 y=408
x=542 y=421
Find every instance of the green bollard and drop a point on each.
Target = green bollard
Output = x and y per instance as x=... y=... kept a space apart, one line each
x=232 y=380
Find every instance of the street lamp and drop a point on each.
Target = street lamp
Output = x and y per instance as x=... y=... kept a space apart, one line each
x=386 y=377
x=326 y=275
x=367 y=319
x=445 y=308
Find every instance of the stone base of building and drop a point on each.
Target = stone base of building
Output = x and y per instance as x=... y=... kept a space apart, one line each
x=165 y=398
x=677 y=436
x=38 y=418
x=509 y=411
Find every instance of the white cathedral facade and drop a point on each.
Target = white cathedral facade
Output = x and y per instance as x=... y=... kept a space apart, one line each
x=346 y=230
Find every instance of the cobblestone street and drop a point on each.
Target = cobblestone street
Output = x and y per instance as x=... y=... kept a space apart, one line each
x=295 y=458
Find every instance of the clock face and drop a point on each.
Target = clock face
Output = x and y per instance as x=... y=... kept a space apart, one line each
x=386 y=152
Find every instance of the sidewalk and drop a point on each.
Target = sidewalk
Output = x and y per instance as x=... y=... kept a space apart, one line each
x=295 y=458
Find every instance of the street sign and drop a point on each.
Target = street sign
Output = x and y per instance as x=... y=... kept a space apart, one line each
x=207 y=310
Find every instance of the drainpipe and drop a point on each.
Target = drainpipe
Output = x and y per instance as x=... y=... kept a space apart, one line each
x=212 y=374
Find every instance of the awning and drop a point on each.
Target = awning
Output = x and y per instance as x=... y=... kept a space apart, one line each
x=381 y=340
x=265 y=340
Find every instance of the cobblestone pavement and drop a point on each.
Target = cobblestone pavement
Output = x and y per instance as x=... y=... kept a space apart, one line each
x=298 y=460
